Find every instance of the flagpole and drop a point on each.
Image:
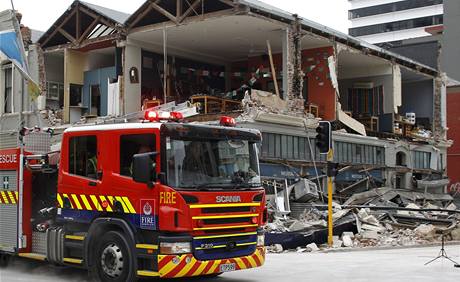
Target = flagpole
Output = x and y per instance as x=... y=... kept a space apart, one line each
x=12 y=5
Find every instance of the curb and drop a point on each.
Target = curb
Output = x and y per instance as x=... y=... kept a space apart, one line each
x=384 y=248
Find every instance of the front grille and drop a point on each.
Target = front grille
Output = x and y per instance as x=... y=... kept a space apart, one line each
x=223 y=231
x=227 y=220
x=224 y=247
x=226 y=210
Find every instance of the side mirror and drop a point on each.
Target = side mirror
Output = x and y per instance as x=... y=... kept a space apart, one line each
x=144 y=168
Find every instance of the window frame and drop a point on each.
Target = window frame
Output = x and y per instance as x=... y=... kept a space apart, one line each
x=70 y=170
x=118 y=167
x=9 y=67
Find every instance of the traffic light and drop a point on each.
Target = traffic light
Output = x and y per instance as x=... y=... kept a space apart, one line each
x=324 y=137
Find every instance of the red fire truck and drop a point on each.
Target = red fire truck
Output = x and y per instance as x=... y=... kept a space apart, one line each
x=156 y=198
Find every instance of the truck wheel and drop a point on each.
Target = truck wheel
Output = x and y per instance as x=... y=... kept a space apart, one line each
x=114 y=261
x=4 y=260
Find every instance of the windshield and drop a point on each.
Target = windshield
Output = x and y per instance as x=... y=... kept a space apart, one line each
x=212 y=163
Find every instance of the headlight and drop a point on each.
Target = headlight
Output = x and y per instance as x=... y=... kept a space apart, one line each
x=261 y=240
x=167 y=248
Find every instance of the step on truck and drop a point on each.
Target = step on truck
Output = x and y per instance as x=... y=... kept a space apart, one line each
x=154 y=198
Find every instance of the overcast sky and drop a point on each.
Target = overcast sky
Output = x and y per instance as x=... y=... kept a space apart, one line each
x=40 y=14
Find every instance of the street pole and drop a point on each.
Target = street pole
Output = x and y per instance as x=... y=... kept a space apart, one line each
x=330 y=227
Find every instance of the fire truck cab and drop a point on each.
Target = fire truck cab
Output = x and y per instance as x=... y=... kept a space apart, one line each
x=129 y=200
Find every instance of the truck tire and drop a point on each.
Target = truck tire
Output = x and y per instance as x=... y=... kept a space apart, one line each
x=4 y=260
x=113 y=260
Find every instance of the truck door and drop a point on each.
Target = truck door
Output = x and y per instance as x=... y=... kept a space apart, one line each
x=81 y=177
x=135 y=196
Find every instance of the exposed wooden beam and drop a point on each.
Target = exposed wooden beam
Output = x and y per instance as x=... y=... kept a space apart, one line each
x=77 y=25
x=189 y=10
x=94 y=16
x=88 y=30
x=67 y=35
x=228 y=2
x=163 y=12
x=191 y=19
x=178 y=8
x=141 y=15
x=53 y=33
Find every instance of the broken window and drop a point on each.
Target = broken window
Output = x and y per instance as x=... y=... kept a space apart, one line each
x=8 y=89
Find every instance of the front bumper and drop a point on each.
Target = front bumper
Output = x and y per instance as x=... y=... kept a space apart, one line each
x=174 y=266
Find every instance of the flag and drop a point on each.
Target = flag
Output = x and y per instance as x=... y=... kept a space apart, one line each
x=12 y=49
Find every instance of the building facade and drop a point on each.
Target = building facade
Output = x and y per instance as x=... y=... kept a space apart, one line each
x=378 y=21
x=100 y=63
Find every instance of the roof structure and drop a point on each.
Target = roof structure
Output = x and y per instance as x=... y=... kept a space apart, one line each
x=117 y=16
x=83 y=23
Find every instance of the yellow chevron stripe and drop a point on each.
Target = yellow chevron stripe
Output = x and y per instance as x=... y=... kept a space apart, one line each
x=225 y=216
x=96 y=202
x=61 y=203
x=252 y=261
x=85 y=202
x=5 y=199
x=200 y=269
x=240 y=263
x=170 y=266
x=260 y=256
x=160 y=258
x=12 y=197
x=213 y=268
x=103 y=199
x=186 y=268
x=17 y=196
x=77 y=202
x=225 y=227
x=128 y=205
x=110 y=199
x=119 y=199
x=1 y=201
x=71 y=204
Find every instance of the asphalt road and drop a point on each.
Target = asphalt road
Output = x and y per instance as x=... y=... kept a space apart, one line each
x=384 y=265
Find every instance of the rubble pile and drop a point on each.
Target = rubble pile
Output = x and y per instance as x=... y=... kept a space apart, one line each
x=382 y=217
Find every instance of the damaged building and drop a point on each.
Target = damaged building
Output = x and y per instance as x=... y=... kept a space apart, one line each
x=271 y=70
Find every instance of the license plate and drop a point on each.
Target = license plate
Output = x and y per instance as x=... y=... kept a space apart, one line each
x=227 y=267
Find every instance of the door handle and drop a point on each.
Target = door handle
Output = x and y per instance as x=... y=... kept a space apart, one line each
x=92 y=183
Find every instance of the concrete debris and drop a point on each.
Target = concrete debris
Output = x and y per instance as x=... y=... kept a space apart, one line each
x=455 y=234
x=370 y=219
x=384 y=217
x=426 y=231
x=276 y=248
x=347 y=241
x=312 y=247
x=349 y=234
x=411 y=206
